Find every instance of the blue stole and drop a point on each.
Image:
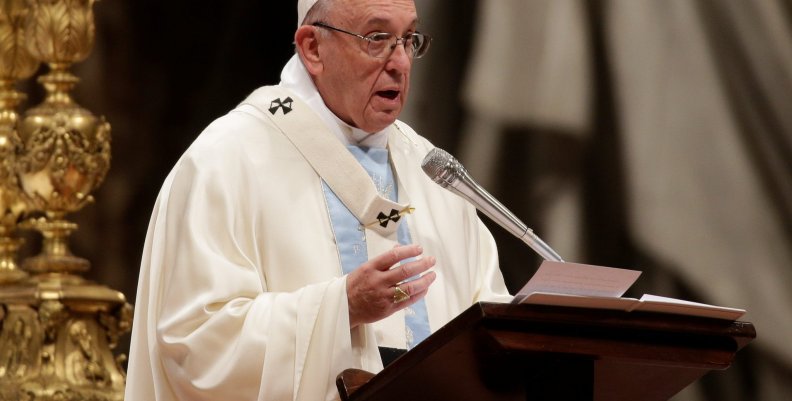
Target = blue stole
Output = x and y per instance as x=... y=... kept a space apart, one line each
x=350 y=235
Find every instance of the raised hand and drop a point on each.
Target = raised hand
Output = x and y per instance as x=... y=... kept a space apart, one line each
x=375 y=291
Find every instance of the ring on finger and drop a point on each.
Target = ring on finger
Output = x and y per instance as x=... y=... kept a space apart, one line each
x=399 y=295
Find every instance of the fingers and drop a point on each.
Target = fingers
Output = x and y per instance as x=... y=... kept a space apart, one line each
x=386 y=260
x=417 y=288
x=410 y=270
x=413 y=299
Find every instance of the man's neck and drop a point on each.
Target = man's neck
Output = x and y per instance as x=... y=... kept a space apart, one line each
x=296 y=78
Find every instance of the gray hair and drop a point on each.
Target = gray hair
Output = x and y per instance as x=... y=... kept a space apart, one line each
x=319 y=12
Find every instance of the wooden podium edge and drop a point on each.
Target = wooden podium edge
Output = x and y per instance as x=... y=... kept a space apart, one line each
x=355 y=384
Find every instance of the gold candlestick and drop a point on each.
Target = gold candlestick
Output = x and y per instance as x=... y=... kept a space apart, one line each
x=15 y=64
x=58 y=328
x=11 y=207
x=67 y=149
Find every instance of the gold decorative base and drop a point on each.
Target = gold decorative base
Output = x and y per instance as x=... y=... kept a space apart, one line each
x=55 y=254
x=56 y=340
x=60 y=263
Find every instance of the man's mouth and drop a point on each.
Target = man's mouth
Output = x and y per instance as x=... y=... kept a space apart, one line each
x=389 y=94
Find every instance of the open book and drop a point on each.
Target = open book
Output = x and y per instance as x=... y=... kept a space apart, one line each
x=587 y=286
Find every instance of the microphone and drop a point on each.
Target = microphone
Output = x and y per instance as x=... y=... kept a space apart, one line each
x=447 y=172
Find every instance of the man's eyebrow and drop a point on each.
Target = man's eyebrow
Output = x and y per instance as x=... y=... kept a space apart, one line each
x=383 y=21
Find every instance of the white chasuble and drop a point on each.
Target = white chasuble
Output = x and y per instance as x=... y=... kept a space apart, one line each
x=378 y=216
x=241 y=294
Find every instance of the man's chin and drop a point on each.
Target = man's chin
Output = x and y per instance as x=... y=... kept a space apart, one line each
x=381 y=121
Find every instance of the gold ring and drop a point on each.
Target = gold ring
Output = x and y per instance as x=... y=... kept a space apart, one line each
x=399 y=295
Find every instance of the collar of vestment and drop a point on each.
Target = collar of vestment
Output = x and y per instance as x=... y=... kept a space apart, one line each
x=329 y=158
x=296 y=78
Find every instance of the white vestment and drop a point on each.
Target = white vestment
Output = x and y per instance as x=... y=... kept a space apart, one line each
x=241 y=294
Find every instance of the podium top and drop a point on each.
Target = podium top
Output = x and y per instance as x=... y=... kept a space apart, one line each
x=494 y=351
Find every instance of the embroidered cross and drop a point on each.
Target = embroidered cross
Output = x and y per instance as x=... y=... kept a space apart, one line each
x=286 y=105
x=395 y=215
x=384 y=220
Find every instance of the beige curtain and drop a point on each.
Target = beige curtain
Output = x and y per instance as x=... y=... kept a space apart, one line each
x=648 y=134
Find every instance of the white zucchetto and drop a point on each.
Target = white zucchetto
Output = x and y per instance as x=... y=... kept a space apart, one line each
x=302 y=9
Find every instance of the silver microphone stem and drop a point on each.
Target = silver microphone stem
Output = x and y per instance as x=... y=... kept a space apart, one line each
x=446 y=171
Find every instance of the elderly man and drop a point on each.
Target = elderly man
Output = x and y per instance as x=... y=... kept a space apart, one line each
x=297 y=236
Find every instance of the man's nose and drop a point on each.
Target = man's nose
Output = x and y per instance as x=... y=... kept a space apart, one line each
x=399 y=60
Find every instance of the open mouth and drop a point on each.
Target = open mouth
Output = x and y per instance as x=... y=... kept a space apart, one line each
x=389 y=94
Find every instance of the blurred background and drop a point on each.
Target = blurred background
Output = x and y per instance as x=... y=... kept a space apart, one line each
x=646 y=134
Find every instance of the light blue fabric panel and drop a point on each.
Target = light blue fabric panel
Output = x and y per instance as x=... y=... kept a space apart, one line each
x=351 y=239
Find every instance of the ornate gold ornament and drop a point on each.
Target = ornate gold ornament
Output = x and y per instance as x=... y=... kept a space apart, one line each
x=66 y=148
x=58 y=329
x=15 y=64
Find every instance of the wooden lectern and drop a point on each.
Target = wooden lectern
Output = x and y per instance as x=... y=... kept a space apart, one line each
x=532 y=352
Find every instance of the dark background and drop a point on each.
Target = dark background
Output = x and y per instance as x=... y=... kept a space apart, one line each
x=163 y=70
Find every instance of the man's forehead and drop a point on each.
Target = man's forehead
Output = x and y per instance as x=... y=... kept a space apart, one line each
x=379 y=12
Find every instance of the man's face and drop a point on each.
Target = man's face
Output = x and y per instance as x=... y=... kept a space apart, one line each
x=363 y=91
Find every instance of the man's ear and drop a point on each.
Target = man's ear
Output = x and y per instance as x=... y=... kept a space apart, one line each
x=307 y=41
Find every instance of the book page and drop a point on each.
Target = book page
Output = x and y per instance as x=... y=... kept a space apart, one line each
x=654 y=303
x=579 y=301
x=579 y=279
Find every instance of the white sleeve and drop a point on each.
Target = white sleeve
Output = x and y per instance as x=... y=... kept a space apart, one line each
x=210 y=330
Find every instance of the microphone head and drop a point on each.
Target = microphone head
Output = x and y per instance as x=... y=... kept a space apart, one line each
x=441 y=167
x=436 y=162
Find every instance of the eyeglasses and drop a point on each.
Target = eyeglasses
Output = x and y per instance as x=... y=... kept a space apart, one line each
x=381 y=44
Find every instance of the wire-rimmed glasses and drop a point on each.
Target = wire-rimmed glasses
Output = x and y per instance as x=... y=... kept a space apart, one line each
x=381 y=44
